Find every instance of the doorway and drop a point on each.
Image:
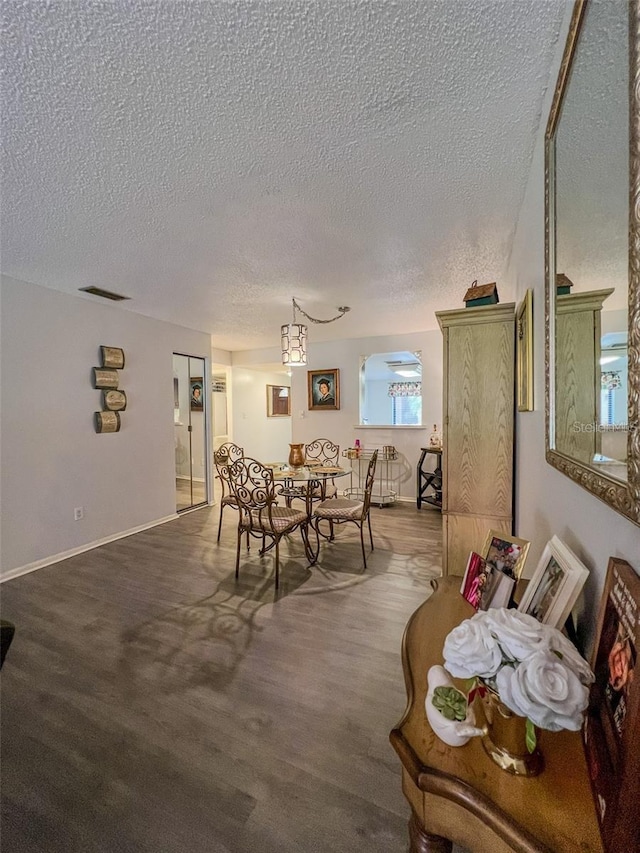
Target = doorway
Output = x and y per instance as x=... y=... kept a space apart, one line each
x=190 y=410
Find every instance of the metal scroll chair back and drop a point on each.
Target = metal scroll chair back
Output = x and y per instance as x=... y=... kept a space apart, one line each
x=260 y=516
x=343 y=510
x=223 y=457
x=323 y=451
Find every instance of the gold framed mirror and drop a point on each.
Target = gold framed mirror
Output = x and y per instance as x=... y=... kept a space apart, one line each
x=592 y=247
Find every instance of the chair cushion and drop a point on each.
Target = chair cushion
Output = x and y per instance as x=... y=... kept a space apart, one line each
x=229 y=500
x=339 y=508
x=330 y=491
x=282 y=517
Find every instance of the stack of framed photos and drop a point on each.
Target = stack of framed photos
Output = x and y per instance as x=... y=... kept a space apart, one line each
x=490 y=577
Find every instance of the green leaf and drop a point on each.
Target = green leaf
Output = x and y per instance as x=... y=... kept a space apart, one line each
x=530 y=735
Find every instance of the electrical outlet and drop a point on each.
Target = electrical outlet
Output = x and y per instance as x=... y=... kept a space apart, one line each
x=78 y=513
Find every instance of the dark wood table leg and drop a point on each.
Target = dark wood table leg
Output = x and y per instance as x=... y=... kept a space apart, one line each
x=421 y=842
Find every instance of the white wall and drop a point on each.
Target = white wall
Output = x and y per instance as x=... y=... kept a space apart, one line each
x=263 y=438
x=52 y=459
x=548 y=502
x=343 y=426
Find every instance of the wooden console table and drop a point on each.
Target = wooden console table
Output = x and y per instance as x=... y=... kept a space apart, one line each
x=458 y=794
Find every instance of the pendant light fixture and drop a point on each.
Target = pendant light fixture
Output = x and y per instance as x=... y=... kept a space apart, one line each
x=293 y=336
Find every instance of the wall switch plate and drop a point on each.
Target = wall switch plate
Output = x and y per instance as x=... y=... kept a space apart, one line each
x=78 y=513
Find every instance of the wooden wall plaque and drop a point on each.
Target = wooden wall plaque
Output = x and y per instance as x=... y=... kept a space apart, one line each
x=112 y=357
x=105 y=378
x=107 y=422
x=114 y=400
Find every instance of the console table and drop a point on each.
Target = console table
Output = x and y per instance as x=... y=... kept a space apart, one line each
x=458 y=794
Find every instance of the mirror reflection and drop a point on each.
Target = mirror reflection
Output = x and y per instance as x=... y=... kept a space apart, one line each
x=591 y=247
x=391 y=389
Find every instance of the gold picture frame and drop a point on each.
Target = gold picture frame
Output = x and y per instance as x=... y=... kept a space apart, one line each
x=324 y=390
x=278 y=401
x=524 y=353
x=505 y=552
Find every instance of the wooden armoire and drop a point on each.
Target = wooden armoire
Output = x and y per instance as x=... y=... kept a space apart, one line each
x=478 y=426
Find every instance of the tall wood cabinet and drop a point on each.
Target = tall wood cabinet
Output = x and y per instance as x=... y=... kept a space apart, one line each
x=478 y=422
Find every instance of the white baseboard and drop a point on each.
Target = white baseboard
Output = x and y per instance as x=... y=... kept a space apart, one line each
x=57 y=558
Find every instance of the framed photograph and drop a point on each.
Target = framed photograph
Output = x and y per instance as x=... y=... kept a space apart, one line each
x=324 y=390
x=105 y=378
x=474 y=579
x=613 y=717
x=112 y=357
x=555 y=585
x=524 y=353
x=505 y=552
x=197 y=397
x=278 y=401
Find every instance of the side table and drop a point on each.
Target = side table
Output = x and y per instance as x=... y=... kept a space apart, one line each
x=430 y=480
x=458 y=794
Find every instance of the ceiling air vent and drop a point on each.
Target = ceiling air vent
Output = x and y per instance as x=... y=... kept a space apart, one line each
x=105 y=294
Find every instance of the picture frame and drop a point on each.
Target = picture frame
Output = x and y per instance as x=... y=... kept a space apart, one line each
x=555 y=585
x=524 y=353
x=107 y=422
x=612 y=721
x=323 y=390
x=278 y=401
x=507 y=553
x=196 y=393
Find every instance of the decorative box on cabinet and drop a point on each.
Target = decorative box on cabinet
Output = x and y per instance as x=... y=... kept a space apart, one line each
x=478 y=403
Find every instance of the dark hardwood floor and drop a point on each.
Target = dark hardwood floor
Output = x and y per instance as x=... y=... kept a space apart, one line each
x=152 y=703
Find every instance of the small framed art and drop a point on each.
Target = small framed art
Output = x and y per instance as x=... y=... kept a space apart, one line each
x=555 y=586
x=278 y=401
x=524 y=353
x=324 y=390
x=114 y=400
x=197 y=397
x=612 y=721
x=505 y=552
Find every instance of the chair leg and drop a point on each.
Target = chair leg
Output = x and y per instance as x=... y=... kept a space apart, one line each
x=238 y=552
x=277 y=563
x=364 y=556
x=370 y=533
x=220 y=524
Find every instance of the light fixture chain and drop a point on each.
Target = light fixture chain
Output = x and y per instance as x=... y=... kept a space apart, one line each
x=342 y=310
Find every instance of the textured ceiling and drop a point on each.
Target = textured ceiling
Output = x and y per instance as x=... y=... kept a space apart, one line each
x=211 y=159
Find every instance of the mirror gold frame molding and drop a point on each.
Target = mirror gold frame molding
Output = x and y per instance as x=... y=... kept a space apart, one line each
x=622 y=497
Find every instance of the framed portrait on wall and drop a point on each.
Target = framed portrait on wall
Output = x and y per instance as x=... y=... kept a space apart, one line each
x=196 y=388
x=324 y=389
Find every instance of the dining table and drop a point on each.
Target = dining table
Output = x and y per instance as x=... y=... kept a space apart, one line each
x=301 y=482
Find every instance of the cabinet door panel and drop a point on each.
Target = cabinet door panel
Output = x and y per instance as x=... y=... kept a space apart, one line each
x=479 y=453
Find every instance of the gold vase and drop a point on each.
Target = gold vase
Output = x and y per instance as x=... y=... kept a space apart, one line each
x=296 y=455
x=505 y=740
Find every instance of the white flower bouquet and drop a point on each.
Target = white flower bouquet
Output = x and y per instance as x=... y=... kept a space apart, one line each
x=534 y=669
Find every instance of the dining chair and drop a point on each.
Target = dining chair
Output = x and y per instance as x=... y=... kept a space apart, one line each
x=223 y=457
x=322 y=451
x=260 y=516
x=343 y=510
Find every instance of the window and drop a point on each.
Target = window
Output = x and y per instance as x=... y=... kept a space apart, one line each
x=406 y=411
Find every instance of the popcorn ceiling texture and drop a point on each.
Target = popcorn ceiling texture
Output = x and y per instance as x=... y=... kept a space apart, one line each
x=213 y=159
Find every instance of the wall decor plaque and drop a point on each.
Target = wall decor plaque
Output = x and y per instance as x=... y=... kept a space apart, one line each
x=107 y=422
x=112 y=357
x=105 y=378
x=114 y=400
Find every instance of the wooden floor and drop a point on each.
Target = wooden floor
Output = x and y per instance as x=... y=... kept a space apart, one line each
x=151 y=703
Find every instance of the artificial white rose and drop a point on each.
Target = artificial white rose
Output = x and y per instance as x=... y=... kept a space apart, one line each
x=544 y=689
x=557 y=642
x=470 y=650
x=518 y=634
